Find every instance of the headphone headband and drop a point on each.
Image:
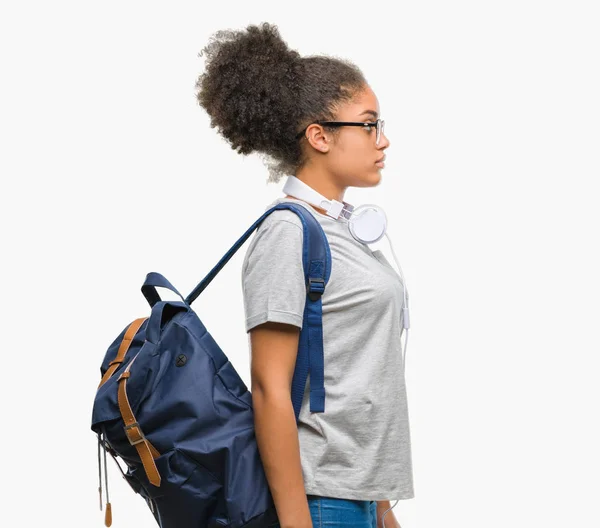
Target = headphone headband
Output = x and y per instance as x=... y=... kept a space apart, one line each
x=367 y=223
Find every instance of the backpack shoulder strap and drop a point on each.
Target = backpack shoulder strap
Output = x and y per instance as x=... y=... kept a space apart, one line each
x=316 y=260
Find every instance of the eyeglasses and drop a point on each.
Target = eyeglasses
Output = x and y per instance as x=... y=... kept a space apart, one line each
x=379 y=124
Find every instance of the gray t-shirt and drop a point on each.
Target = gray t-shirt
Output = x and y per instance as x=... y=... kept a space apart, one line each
x=359 y=448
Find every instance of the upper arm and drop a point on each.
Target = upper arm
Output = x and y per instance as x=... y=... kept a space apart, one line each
x=274 y=347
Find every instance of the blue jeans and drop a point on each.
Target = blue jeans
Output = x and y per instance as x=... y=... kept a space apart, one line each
x=328 y=512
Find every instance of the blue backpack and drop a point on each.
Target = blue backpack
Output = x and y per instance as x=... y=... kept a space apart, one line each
x=172 y=406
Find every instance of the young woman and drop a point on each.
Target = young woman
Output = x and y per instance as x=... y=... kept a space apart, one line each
x=343 y=466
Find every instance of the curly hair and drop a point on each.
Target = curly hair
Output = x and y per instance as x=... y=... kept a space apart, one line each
x=261 y=94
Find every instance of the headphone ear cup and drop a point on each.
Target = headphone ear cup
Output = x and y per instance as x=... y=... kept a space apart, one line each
x=367 y=223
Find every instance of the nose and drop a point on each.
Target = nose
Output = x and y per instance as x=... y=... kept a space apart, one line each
x=384 y=142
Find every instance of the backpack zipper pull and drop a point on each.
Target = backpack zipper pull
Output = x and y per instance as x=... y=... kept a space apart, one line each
x=108 y=514
x=99 y=473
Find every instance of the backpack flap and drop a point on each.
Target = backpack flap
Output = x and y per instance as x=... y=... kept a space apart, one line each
x=140 y=379
x=128 y=341
x=106 y=405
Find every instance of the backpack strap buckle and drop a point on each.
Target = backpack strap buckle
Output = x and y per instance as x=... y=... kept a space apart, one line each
x=315 y=288
x=134 y=437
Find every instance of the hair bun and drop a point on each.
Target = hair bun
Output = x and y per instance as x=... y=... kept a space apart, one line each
x=250 y=82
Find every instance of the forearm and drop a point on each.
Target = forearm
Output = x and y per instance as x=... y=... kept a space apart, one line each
x=278 y=445
x=390 y=519
x=382 y=507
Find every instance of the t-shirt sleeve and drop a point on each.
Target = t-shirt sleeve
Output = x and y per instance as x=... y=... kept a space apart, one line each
x=273 y=282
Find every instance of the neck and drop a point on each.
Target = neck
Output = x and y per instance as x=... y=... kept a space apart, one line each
x=323 y=185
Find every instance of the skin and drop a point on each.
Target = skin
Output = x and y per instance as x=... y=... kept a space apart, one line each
x=348 y=158
x=335 y=162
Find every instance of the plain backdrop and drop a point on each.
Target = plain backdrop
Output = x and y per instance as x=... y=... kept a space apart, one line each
x=110 y=170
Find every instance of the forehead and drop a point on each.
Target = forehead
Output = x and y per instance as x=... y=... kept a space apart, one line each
x=363 y=101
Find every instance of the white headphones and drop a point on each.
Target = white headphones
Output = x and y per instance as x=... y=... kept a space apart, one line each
x=367 y=223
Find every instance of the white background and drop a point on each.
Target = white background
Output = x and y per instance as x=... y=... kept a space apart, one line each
x=110 y=170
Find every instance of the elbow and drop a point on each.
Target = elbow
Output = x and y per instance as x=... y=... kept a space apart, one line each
x=272 y=396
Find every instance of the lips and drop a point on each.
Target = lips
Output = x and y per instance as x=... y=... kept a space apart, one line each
x=380 y=159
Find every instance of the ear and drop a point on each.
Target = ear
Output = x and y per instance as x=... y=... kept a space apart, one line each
x=317 y=137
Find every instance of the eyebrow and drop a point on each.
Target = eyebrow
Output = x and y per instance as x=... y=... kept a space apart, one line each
x=372 y=112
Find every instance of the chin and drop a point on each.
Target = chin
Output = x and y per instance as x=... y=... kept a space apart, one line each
x=375 y=178
x=367 y=179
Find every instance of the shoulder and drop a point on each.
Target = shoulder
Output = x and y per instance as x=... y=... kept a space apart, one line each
x=278 y=231
x=278 y=240
x=281 y=220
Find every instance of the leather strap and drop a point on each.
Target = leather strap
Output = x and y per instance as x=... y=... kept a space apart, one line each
x=123 y=348
x=145 y=449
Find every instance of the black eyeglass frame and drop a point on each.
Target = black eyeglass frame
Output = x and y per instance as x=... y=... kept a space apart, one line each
x=379 y=124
